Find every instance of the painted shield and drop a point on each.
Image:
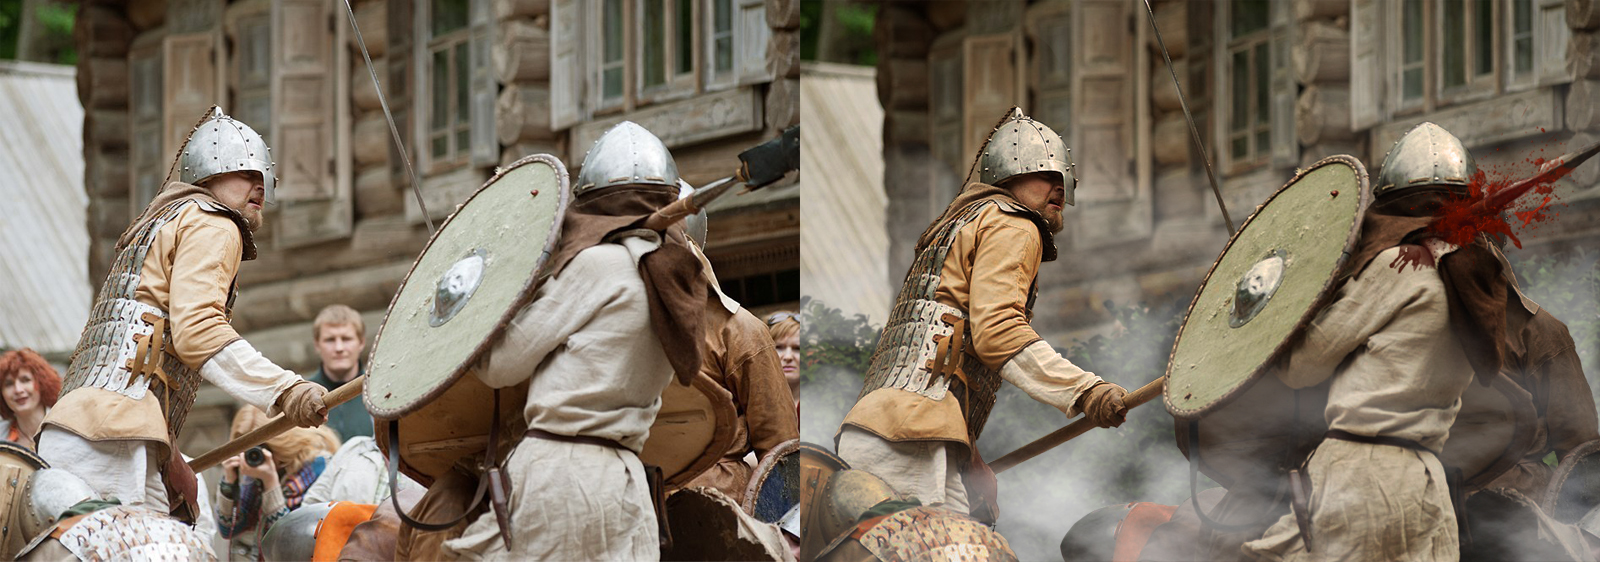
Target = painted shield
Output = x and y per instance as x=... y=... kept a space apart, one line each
x=1574 y=491
x=17 y=463
x=476 y=272
x=1266 y=285
x=474 y=275
x=775 y=486
x=693 y=430
x=817 y=465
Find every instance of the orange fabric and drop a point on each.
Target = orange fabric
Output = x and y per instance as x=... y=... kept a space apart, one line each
x=335 y=529
x=1135 y=529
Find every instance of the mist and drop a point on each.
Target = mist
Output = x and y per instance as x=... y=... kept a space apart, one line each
x=1041 y=498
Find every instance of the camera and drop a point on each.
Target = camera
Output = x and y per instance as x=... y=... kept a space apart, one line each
x=254 y=456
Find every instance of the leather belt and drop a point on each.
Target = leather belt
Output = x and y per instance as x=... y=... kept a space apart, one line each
x=584 y=439
x=1376 y=440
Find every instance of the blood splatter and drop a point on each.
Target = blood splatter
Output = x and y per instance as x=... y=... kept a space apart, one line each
x=1496 y=202
x=1414 y=255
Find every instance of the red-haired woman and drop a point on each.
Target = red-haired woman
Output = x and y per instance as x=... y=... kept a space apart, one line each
x=30 y=387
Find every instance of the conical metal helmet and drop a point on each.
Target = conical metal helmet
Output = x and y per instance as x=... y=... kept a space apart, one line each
x=1021 y=145
x=222 y=144
x=627 y=154
x=1426 y=155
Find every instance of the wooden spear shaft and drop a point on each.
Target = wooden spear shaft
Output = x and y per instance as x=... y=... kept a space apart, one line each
x=273 y=427
x=1055 y=438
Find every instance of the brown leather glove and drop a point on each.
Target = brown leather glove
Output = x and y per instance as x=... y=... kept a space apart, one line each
x=302 y=404
x=1102 y=404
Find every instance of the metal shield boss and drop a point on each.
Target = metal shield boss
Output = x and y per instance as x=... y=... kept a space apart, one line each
x=1263 y=288
x=472 y=278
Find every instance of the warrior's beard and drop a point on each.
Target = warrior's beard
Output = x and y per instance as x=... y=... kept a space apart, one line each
x=1054 y=220
x=252 y=217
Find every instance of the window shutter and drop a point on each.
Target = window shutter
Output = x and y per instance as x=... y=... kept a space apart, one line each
x=1366 y=64
x=750 y=37
x=312 y=153
x=944 y=105
x=1112 y=205
x=1285 y=90
x=190 y=76
x=148 y=163
x=485 y=150
x=1550 y=38
x=566 y=64
x=990 y=79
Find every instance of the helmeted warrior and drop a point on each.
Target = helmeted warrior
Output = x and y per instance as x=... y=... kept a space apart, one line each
x=1412 y=319
x=160 y=325
x=617 y=314
x=960 y=326
x=740 y=356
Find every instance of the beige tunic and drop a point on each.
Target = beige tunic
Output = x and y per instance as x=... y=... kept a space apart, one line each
x=1397 y=371
x=597 y=369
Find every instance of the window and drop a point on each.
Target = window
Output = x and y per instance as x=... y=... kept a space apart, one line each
x=765 y=288
x=1444 y=51
x=1250 y=83
x=450 y=84
x=611 y=56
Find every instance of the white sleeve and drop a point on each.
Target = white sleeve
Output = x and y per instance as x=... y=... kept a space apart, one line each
x=249 y=376
x=563 y=305
x=1048 y=377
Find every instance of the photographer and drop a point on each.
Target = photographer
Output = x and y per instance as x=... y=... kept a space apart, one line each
x=275 y=477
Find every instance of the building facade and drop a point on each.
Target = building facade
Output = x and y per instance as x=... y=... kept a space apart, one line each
x=1273 y=86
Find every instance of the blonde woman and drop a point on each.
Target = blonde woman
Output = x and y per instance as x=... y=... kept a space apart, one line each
x=289 y=463
x=785 y=329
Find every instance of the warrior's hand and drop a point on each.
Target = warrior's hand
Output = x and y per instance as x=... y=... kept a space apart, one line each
x=302 y=404
x=1103 y=405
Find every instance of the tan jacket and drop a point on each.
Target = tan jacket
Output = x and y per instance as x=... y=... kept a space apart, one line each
x=189 y=272
x=989 y=273
x=740 y=356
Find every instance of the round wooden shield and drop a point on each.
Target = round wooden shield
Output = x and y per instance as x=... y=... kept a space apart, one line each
x=17 y=464
x=817 y=465
x=693 y=430
x=775 y=485
x=1574 y=491
x=473 y=276
x=1494 y=429
x=1266 y=284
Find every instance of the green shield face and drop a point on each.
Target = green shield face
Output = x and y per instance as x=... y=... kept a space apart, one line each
x=472 y=277
x=1261 y=291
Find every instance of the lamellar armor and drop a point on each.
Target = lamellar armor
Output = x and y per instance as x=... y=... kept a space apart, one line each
x=124 y=346
x=922 y=348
